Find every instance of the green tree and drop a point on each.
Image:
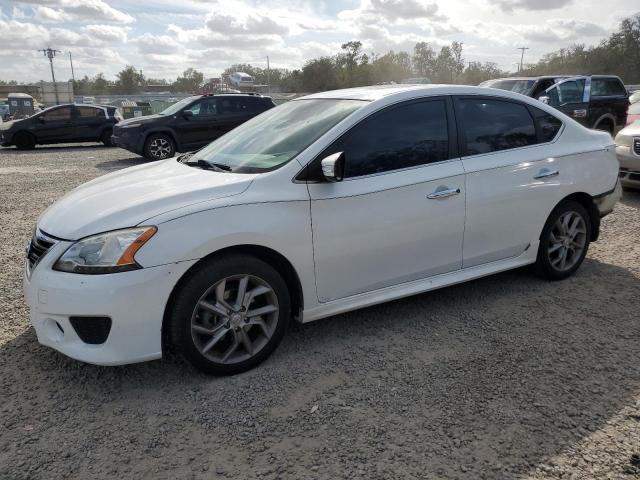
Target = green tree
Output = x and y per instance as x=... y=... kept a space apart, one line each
x=190 y=81
x=129 y=80
x=424 y=59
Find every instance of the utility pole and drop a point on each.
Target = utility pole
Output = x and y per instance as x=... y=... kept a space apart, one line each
x=268 y=77
x=50 y=53
x=522 y=56
x=73 y=76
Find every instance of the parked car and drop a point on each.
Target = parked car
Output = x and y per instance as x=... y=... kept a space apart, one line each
x=633 y=115
x=61 y=124
x=628 y=151
x=325 y=204
x=597 y=101
x=188 y=124
x=529 y=86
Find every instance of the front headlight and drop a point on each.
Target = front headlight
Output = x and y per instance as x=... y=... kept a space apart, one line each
x=108 y=252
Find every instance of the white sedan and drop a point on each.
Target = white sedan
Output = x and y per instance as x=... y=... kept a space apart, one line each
x=328 y=203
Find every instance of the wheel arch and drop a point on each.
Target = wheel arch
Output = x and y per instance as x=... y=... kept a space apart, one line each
x=14 y=134
x=275 y=259
x=606 y=118
x=587 y=202
x=165 y=131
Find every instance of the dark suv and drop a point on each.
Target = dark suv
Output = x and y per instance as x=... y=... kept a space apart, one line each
x=188 y=124
x=596 y=101
x=61 y=124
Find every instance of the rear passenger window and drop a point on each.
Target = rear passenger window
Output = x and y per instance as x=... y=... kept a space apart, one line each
x=404 y=136
x=492 y=125
x=90 y=112
x=548 y=125
x=607 y=87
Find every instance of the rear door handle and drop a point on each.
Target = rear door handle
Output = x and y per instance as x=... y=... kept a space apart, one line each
x=546 y=173
x=443 y=192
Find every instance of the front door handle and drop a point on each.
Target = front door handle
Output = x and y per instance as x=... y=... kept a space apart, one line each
x=546 y=173
x=443 y=192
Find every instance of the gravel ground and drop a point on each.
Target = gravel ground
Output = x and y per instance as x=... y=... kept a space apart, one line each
x=504 y=377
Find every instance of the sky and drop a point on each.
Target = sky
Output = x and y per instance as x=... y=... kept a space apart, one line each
x=164 y=37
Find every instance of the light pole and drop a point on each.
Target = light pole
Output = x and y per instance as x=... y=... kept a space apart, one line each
x=268 y=77
x=50 y=53
x=522 y=56
x=73 y=75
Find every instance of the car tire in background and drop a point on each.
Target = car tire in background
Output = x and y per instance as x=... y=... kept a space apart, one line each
x=564 y=241
x=229 y=314
x=24 y=141
x=106 y=138
x=159 y=146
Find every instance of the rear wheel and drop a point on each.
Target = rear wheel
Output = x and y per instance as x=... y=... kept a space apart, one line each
x=24 y=141
x=230 y=314
x=564 y=241
x=106 y=138
x=605 y=126
x=159 y=146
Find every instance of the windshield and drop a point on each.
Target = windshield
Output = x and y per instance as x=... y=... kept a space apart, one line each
x=176 y=107
x=276 y=136
x=518 y=86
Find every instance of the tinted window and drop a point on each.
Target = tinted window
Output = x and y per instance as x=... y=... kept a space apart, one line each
x=400 y=137
x=492 y=125
x=236 y=105
x=548 y=124
x=571 y=91
x=206 y=107
x=605 y=87
x=90 y=112
x=62 y=113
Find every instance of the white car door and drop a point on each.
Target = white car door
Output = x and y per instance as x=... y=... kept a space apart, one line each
x=512 y=178
x=398 y=215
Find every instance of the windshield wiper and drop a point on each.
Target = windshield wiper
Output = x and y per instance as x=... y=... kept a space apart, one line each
x=218 y=167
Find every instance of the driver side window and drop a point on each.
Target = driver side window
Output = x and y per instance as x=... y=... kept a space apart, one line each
x=202 y=108
x=571 y=91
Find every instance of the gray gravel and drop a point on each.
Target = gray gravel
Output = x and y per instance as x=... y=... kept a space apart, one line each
x=504 y=377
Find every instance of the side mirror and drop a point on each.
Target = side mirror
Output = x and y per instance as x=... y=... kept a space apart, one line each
x=333 y=167
x=187 y=114
x=41 y=119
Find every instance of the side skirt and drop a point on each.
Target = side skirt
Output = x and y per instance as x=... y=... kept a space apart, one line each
x=418 y=286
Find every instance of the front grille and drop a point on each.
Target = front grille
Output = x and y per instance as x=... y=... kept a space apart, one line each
x=38 y=247
x=636 y=146
x=92 y=330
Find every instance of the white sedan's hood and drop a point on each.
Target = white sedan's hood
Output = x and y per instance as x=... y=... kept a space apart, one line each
x=130 y=196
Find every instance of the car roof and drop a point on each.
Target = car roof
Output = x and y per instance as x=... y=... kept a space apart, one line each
x=378 y=92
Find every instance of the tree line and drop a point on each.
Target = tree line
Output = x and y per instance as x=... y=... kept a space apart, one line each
x=352 y=66
x=618 y=55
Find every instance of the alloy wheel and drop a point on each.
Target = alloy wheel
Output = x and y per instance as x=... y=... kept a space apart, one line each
x=234 y=319
x=160 y=148
x=567 y=241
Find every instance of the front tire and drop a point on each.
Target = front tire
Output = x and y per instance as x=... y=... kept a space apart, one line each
x=24 y=141
x=159 y=146
x=230 y=314
x=564 y=241
x=106 y=138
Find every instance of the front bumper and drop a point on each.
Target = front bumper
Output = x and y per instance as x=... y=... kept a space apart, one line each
x=135 y=301
x=129 y=140
x=629 y=166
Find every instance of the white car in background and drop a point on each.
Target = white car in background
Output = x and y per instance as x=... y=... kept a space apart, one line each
x=628 y=150
x=325 y=204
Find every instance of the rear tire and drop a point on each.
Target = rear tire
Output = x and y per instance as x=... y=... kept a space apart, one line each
x=230 y=314
x=564 y=241
x=159 y=146
x=106 y=138
x=24 y=141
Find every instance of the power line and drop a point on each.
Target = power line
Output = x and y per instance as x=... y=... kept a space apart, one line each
x=50 y=53
x=522 y=56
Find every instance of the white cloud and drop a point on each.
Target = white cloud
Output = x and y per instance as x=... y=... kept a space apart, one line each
x=81 y=10
x=106 y=33
x=48 y=14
